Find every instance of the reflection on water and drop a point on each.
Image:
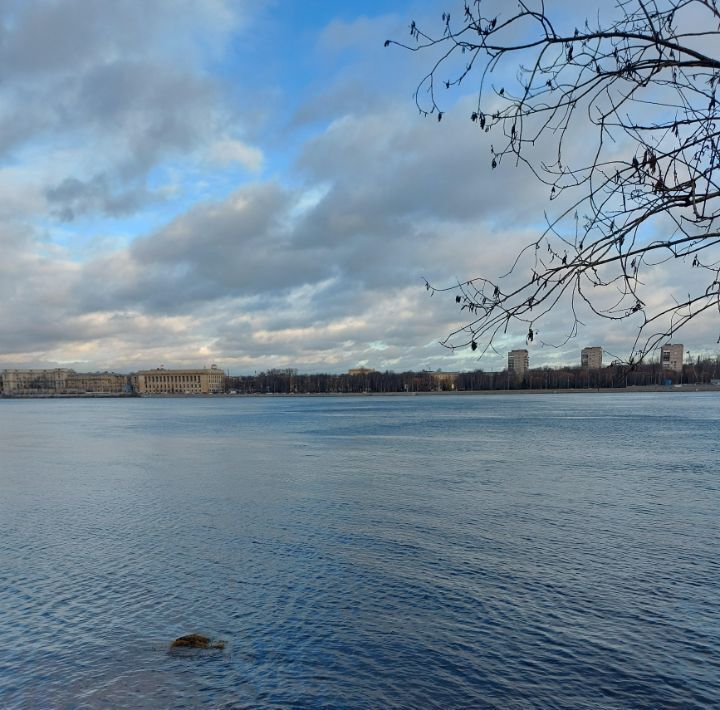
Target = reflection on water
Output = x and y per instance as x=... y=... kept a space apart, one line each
x=454 y=551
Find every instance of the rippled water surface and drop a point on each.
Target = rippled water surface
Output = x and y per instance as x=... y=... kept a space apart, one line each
x=451 y=551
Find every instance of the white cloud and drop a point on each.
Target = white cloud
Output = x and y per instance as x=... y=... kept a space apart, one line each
x=230 y=150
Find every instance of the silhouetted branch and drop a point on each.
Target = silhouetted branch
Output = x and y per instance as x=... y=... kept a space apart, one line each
x=639 y=85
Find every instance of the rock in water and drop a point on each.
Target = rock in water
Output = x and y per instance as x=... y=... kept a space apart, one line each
x=196 y=641
x=191 y=641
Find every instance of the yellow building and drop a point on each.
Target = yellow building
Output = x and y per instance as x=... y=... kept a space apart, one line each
x=444 y=380
x=61 y=381
x=35 y=382
x=189 y=381
x=96 y=383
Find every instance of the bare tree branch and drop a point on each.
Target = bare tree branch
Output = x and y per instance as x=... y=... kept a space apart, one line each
x=640 y=83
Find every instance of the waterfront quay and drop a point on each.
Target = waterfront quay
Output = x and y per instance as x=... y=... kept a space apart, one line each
x=590 y=376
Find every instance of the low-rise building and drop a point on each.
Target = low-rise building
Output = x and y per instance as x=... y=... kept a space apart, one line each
x=444 y=380
x=61 y=381
x=360 y=371
x=591 y=358
x=188 y=381
x=64 y=381
x=518 y=361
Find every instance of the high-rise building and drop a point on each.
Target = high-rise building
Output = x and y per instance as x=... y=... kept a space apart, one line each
x=671 y=357
x=518 y=361
x=591 y=358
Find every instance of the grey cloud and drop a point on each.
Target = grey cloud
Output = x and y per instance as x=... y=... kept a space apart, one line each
x=75 y=197
x=152 y=109
x=394 y=163
x=374 y=234
x=370 y=75
x=242 y=244
x=35 y=291
x=20 y=124
x=238 y=247
x=44 y=319
x=46 y=37
x=116 y=85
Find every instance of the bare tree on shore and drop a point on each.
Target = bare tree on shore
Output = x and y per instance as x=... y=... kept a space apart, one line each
x=639 y=84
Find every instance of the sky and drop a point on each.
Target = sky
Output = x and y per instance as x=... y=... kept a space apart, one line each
x=247 y=183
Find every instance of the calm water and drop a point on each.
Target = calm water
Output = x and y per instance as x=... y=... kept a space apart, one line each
x=454 y=551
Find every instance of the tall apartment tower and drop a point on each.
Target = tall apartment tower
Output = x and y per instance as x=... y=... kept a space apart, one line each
x=591 y=358
x=518 y=361
x=671 y=357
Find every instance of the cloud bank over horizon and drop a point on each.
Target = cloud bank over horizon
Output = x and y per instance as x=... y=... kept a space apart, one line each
x=190 y=182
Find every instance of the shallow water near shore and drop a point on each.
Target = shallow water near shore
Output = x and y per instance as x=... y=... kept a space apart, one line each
x=456 y=551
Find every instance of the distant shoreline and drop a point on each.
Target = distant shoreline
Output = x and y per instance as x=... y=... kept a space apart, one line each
x=593 y=390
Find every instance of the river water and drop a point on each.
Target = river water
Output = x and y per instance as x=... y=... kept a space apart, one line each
x=502 y=551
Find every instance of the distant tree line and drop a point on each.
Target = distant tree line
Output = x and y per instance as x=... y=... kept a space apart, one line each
x=284 y=382
x=701 y=371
